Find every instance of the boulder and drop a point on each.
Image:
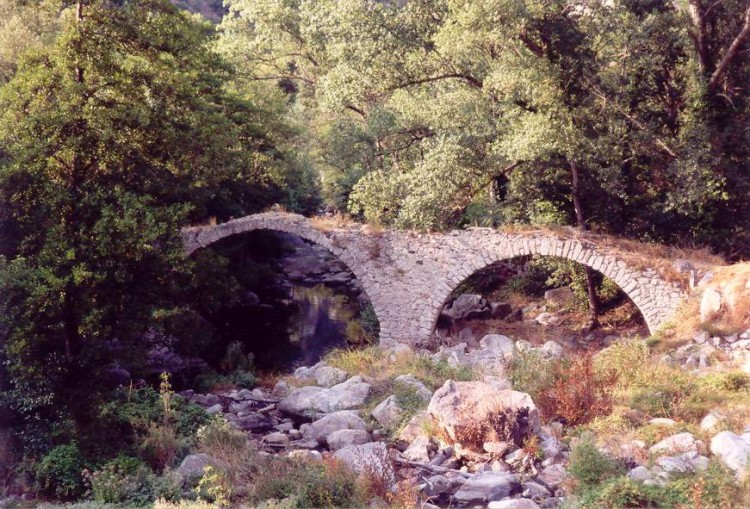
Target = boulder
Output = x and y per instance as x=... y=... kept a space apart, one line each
x=467 y=306
x=733 y=450
x=681 y=442
x=346 y=437
x=420 y=450
x=305 y=455
x=281 y=389
x=553 y=476
x=388 y=413
x=500 y=310
x=485 y=487
x=321 y=429
x=552 y=350
x=253 y=422
x=684 y=463
x=370 y=459
x=308 y=401
x=548 y=319
x=711 y=303
x=193 y=465
x=498 y=343
x=415 y=427
x=461 y=408
x=214 y=409
x=711 y=420
x=414 y=383
x=559 y=296
x=328 y=376
x=276 y=439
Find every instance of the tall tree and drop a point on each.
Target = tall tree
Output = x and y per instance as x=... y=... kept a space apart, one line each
x=113 y=138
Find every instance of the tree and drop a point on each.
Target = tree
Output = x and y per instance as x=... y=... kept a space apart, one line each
x=113 y=138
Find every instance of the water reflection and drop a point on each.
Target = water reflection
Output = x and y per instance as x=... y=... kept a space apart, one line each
x=320 y=323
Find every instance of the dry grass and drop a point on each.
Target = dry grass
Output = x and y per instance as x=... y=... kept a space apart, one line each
x=733 y=282
x=378 y=364
x=638 y=254
x=332 y=222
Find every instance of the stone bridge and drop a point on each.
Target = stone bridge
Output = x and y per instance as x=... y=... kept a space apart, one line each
x=409 y=276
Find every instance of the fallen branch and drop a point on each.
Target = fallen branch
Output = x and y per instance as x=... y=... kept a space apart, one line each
x=433 y=469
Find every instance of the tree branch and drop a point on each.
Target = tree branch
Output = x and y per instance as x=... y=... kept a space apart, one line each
x=731 y=53
x=455 y=75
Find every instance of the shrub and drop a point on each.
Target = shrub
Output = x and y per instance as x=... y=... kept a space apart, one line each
x=214 y=486
x=60 y=472
x=235 y=359
x=532 y=373
x=590 y=467
x=123 y=480
x=579 y=394
x=623 y=492
x=329 y=484
x=161 y=445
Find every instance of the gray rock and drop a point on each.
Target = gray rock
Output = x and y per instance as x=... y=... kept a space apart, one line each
x=370 y=459
x=321 y=429
x=277 y=439
x=193 y=465
x=548 y=319
x=214 y=409
x=711 y=304
x=513 y=503
x=415 y=427
x=484 y=487
x=499 y=344
x=388 y=413
x=467 y=306
x=414 y=383
x=500 y=310
x=524 y=346
x=438 y=486
x=420 y=450
x=346 y=437
x=534 y=491
x=733 y=450
x=460 y=404
x=552 y=476
x=684 y=463
x=253 y=422
x=711 y=420
x=681 y=442
x=328 y=376
x=559 y=296
x=552 y=350
x=307 y=401
x=281 y=389
x=304 y=373
x=305 y=454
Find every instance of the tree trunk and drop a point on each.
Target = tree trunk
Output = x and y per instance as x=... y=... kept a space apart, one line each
x=581 y=223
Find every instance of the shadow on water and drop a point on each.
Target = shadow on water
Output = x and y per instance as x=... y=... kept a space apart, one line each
x=320 y=323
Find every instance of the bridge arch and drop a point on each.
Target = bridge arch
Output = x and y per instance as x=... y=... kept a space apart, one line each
x=654 y=297
x=409 y=276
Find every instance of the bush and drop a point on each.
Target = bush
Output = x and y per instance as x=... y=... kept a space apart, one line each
x=123 y=480
x=623 y=492
x=579 y=393
x=214 y=486
x=329 y=484
x=161 y=445
x=532 y=373
x=590 y=467
x=60 y=472
x=235 y=359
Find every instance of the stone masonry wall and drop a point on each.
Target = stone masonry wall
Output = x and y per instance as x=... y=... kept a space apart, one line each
x=408 y=276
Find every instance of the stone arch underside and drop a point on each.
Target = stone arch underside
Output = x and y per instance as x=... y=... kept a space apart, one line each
x=409 y=276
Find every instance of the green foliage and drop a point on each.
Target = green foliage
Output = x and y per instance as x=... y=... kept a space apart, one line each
x=235 y=359
x=122 y=480
x=623 y=492
x=532 y=373
x=214 y=487
x=60 y=472
x=114 y=136
x=590 y=467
